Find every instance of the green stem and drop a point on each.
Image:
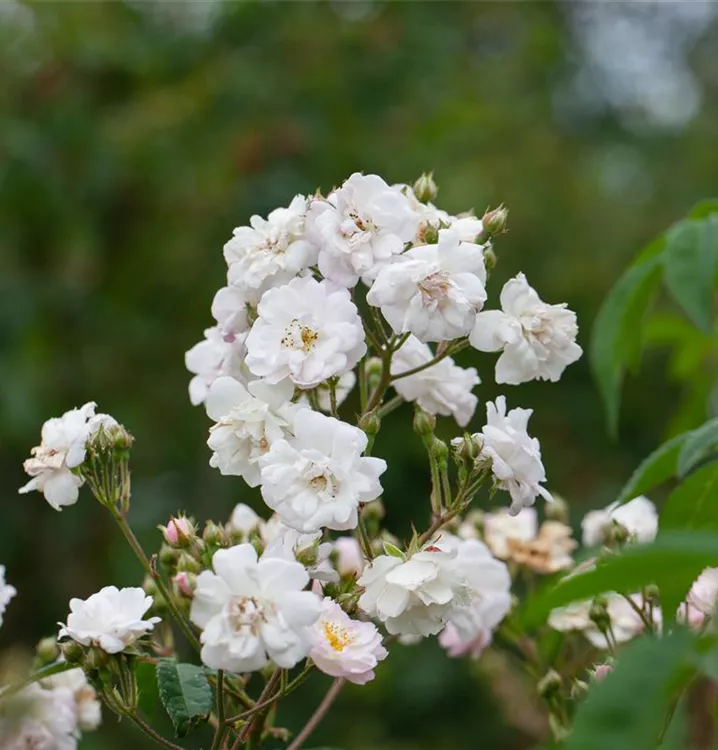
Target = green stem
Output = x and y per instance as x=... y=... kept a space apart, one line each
x=152 y=572
x=147 y=729
x=219 y=697
x=449 y=350
x=41 y=674
x=389 y=406
x=318 y=715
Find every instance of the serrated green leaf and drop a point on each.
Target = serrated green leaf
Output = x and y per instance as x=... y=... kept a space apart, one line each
x=689 y=261
x=149 y=692
x=185 y=694
x=694 y=503
x=627 y=710
x=697 y=446
x=673 y=561
x=661 y=465
x=617 y=337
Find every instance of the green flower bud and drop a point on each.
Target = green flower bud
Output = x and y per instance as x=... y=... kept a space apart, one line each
x=73 y=652
x=494 y=222
x=424 y=423
x=370 y=423
x=47 y=650
x=425 y=188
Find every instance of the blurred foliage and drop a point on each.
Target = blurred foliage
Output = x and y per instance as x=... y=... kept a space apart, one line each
x=135 y=136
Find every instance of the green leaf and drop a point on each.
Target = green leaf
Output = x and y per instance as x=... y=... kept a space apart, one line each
x=661 y=465
x=617 y=337
x=694 y=503
x=627 y=710
x=689 y=261
x=185 y=694
x=673 y=561
x=697 y=445
x=149 y=692
x=704 y=208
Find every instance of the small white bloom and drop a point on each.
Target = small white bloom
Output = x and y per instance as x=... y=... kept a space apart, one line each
x=308 y=331
x=230 y=309
x=414 y=596
x=538 y=341
x=283 y=541
x=433 y=291
x=444 y=388
x=218 y=354
x=501 y=528
x=248 y=421
x=62 y=449
x=7 y=592
x=244 y=519
x=626 y=623
x=39 y=719
x=110 y=619
x=467 y=226
x=350 y=561
x=638 y=517
x=342 y=647
x=360 y=228
x=87 y=705
x=515 y=456
x=471 y=624
x=319 y=478
x=251 y=611
x=271 y=251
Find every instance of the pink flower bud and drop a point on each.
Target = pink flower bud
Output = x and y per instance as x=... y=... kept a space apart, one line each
x=602 y=671
x=185 y=583
x=178 y=532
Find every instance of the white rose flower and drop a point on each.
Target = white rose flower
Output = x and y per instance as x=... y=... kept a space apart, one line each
x=515 y=456
x=244 y=519
x=111 y=619
x=501 y=528
x=88 y=708
x=62 y=449
x=360 y=228
x=444 y=388
x=638 y=517
x=230 y=309
x=271 y=251
x=252 y=611
x=319 y=478
x=415 y=596
x=7 y=592
x=39 y=719
x=308 y=331
x=470 y=626
x=219 y=354
x=537 y=340
x=433 y=291
x=342 y=647
x=248 y=420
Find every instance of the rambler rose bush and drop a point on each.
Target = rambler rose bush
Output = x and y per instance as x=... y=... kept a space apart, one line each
x=362 y=297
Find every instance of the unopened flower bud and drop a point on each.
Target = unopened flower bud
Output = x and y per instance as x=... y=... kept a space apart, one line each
x=373 y=511
x=188 y=564
x=494 y=222
x=72 y=651
x=616 y=534
x=47 y=650
x=168 y=556
x=440 y=450
x=652 y=594
x=370 y=423
x=601 y=671
x=424 y=423
x=96 y=659
x=579 y=688
x=150 y=587
x=557 y=510
x=179 y=532
x=490 y=259
x=373 y=369
x=549 y=684
x=185 y=583
x=598 y=614
x=214 y=534
x=425 y=188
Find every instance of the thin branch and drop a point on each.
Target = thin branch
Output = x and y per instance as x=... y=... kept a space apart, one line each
x=147 y=729
x=318 y=715
x=449 y=350
x=219 y=697
x=41 y=674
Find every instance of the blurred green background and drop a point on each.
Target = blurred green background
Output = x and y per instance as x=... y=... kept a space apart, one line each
x=135 y=135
